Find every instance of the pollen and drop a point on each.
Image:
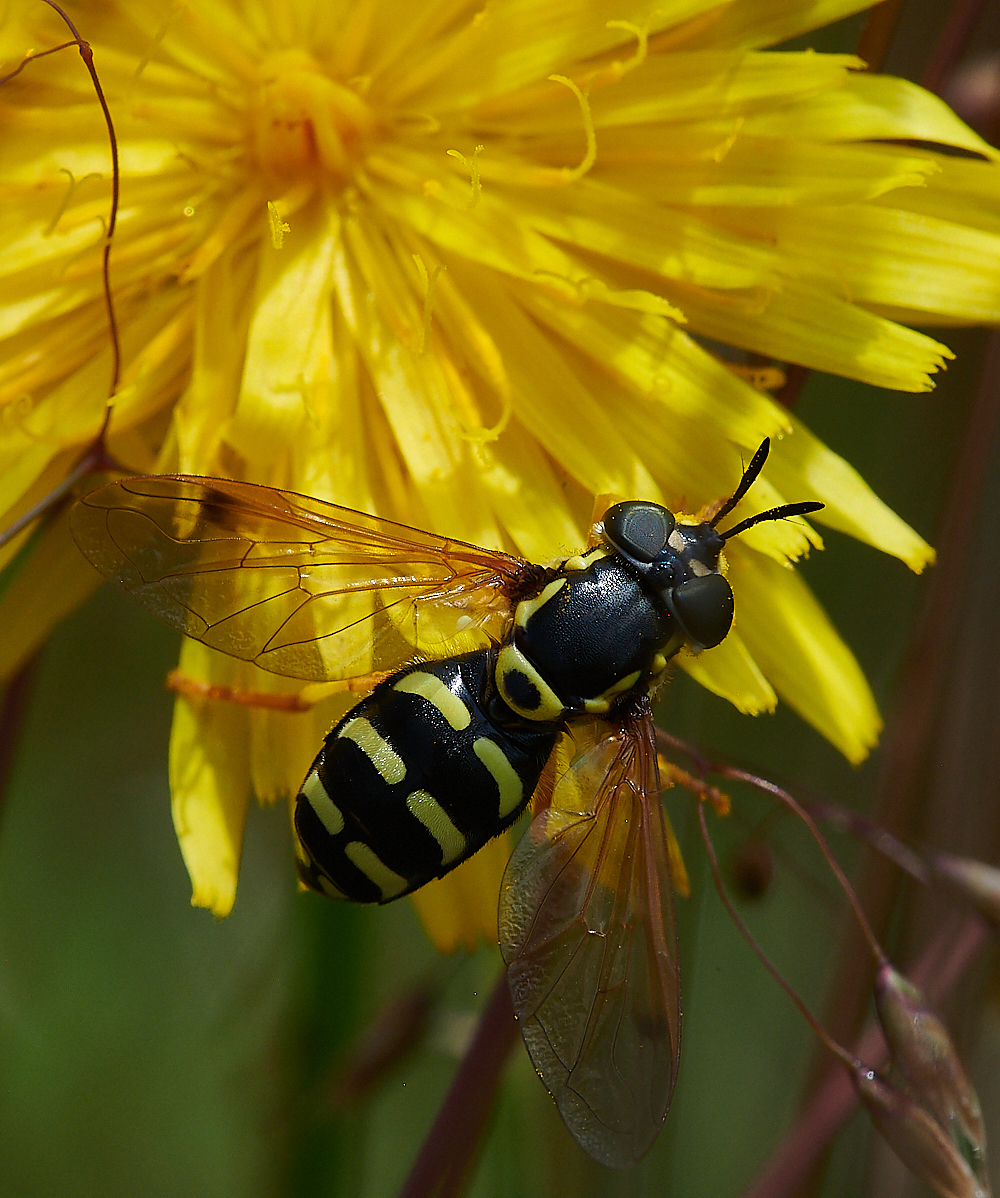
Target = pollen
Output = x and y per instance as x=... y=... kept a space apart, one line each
x=304 y=123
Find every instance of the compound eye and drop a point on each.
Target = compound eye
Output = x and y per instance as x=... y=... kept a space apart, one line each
x=638 y=529
x=705 y=607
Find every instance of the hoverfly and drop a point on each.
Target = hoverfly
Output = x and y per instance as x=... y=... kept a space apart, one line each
x=490 y=667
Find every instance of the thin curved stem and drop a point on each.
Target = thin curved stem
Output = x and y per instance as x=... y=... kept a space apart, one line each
x=94 y=459
x=94 y=456
x=735 y=774
x=940 y=966
x=820 y=1031
x=874 y=835
x=762 y=784
x=87 y=54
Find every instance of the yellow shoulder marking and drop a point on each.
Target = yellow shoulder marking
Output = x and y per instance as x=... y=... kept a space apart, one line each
x=523 y=689
x=527 y=607
x=602 y=703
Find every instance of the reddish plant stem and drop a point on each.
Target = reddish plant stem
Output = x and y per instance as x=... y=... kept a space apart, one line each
x=880 y=28
x=870 y=832
x=818 y=1030
x=922 y=687
x=94 y=456
x=951 y=45
x=448 y=1152
x=796 y=377
x=762 y=784
x=735 y=774
x=88 y=61
x=13 y=713
x=938 y=968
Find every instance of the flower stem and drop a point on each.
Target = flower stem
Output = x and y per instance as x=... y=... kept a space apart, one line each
x=821 y=1032
x=88 y=61
x=925 y=687
x=944 y=961
x=734 y=774
x=13 y=712
x=877 y=837
x=450 y=1147
x=951 y=45
x=880 y=28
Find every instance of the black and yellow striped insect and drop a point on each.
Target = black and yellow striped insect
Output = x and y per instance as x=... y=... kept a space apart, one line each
x=486 y=663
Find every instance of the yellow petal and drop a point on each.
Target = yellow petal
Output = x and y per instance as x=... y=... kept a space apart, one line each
x=460 y=909
x=599 y=218
x=746 y=24
x=803 y=467
x=552 y=400
x=674 y=87
x=868 y=107
x=885 y=256
x=414 y=392
x=524 y=41
x=209 y=784
x=528 y=500
x=798 y=322
x=653 y=356
x=765 y=172
x=730 y=671
x=287 y=343
x=802 y=654
x=962 y=191
x=37 y=593
x=283 y=744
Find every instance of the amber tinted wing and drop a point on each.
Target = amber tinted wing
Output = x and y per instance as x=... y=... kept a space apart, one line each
x=297 y=586
x=587 y=930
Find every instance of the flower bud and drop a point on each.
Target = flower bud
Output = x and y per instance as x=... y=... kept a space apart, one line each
x=919 y=1142
x=974 y=881
x=926 y=1059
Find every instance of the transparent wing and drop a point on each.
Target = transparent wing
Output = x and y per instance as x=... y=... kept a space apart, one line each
x=297 y=586
x=587 y=931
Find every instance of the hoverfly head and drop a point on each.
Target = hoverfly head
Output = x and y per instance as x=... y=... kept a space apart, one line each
x=680 y=562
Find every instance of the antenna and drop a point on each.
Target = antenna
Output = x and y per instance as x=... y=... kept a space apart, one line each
x=775 y=513
x=746 y=482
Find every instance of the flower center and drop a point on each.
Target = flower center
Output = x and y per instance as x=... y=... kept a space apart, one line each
x=304 y=122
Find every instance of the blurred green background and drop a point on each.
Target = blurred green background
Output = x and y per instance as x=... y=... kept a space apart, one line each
x=146 y=1049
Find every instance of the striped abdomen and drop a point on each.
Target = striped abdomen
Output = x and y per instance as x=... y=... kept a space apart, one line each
x=412 y=781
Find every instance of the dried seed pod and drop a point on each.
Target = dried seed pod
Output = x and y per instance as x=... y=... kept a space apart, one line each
x=924 y=1055
x=974 y=881
x=916 y=1138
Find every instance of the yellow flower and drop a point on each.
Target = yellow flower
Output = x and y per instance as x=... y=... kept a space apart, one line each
x=448 y=262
